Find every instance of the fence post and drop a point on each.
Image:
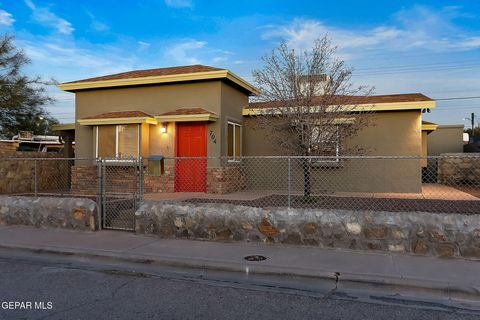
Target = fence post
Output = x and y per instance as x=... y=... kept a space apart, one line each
x=35 y=181
x=289 y=182
x=99 y=192
x=141 y=180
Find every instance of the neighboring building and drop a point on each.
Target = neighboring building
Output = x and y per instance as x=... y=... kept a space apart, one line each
x=445 y=139
x=26 y=141
x=199 y=111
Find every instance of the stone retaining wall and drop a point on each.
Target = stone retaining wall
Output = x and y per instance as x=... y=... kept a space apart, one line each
x=71 y=213
x=442 y=235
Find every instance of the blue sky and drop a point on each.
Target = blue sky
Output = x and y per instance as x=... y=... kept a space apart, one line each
x=431 y=47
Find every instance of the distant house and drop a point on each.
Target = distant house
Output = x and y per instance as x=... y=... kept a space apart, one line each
x=202 y=111
x=445 y=139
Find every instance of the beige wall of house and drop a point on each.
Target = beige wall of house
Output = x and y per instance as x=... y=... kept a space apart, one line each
x=233 y=102
x=216 y=96
x=395 y=133
x=424 y=147
x=446 y=139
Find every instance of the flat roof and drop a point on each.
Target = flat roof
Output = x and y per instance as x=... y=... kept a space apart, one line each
x=63 y=127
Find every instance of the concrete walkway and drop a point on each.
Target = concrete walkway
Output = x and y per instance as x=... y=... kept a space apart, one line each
x=451 y=276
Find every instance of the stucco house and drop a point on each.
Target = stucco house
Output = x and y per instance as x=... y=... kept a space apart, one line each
x=202 y=111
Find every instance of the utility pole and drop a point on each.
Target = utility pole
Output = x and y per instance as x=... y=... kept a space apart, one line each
x=473 y=123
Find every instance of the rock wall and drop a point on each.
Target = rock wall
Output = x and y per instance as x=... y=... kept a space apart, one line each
x=459 y=168
x=23 y=174
x=442 y=235
x=71 y=213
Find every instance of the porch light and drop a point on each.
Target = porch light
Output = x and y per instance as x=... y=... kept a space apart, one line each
x=163 y=128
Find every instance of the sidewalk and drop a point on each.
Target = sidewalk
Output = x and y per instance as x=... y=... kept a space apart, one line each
x=455 y=277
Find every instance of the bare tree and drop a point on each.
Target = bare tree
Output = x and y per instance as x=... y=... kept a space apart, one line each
x=308 y=105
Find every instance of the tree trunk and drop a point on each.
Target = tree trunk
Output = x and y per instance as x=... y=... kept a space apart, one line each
x=307 y=185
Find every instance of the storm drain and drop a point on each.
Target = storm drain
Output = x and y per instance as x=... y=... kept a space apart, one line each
x=255 y=257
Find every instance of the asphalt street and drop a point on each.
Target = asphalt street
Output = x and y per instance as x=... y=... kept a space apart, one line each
x=41 y=286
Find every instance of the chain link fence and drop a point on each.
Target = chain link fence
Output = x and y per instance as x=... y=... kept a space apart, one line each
x=447 y=184
x=115 y=184
x=36 y=176
x=121 y=192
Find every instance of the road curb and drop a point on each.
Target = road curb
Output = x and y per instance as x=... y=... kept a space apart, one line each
x=443 y=289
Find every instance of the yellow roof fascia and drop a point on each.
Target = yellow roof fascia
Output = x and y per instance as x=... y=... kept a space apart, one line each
x=393 y=106
x=429 y=127
x=209 y=75
x=63 y=126
x=242 y=83
x=187 y=117
x=108 y=121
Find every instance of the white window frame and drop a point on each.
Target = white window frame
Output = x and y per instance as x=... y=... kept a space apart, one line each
x=234 y=158
x=337 y=150
x=116 y=143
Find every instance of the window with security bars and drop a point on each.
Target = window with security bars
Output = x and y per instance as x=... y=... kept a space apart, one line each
x=234 y=138
x=118 y=141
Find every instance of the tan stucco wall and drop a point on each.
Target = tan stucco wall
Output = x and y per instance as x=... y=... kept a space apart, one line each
x=392 y=133
x=216 y=96
x=446 y=139
x=233 y=102
x=150 y=99
x=424 y=147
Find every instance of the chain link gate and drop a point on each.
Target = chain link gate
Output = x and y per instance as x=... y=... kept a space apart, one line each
x=121 y=190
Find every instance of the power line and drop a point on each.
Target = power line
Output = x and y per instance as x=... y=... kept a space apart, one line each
x=458 y=98
x=416 y=69
x=453 y=63
x=456 y=108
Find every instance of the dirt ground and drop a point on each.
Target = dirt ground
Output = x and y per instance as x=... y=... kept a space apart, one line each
x=355 y=203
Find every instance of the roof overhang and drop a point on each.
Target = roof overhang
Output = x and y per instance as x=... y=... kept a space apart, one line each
x=392 y=106
x=109 y=121
x=63 y=127
x=187 y=117
x=196 y=76
x=429 y=126
x=451 y=126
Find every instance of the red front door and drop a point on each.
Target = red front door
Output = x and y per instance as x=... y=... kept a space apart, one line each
x=191 y=174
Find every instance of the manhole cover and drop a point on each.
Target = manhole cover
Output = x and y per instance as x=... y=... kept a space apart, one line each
x=255 y=257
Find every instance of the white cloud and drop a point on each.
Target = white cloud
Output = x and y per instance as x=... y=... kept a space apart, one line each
x=179 y=3
x=99 y=26
x=6 y=18
x=301 y=33
x=181 y=52
x=219 y=59
x=44 y=16
x=416 y=28
x=143 y=44
x=96 y=25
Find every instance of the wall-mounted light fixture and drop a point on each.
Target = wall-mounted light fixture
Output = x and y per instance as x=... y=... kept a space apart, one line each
x=163 y=128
